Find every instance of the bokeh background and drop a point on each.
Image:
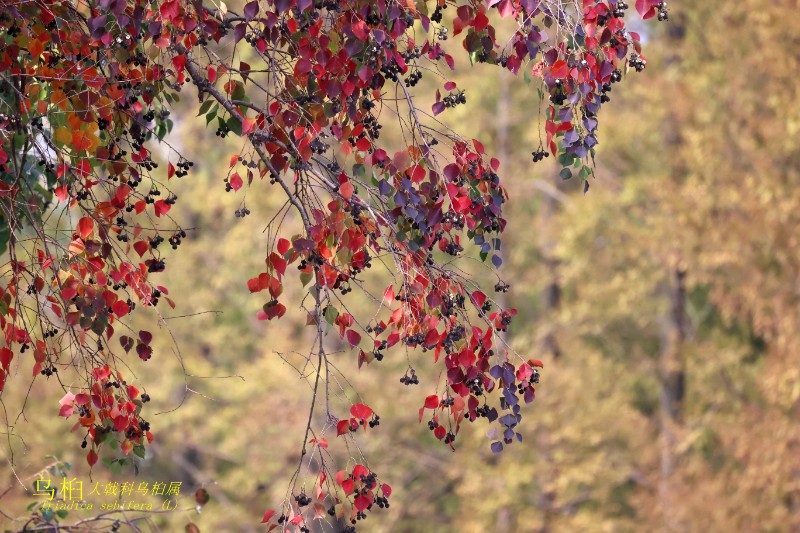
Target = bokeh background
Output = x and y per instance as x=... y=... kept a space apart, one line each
x=664 y=304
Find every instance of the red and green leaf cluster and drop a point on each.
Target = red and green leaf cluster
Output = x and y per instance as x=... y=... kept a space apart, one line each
x=87 y=90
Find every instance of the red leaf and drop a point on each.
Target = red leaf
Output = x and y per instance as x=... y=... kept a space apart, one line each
x=432 y=401
x=267 y=516
x=536 y=362
x=283 y=246
x=361 y=411
x=85 y=226
x=346 y=189
x=348 y=486
x=91 y=458
x=126 y=342
x=212 y=74
x=439 y=432
x=560 y=69
x=342 y=427
x=161 y=207
x=141 y=247
x=145 y=336
x=360 y=30
x=254 y=284
x=387 y=490
x=236 y=180
x=248 y=126
x=479 y=298
x=353 y=337
x=120 y=308
x=362 y=501
x=5 y=357
x=644 y=7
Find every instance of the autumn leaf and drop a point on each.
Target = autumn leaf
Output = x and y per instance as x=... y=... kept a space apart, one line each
x=361 y=411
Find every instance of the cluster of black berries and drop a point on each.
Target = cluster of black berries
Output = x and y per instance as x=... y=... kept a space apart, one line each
x=453 y=249
x=183 y=168
x=411 y=54
x=482 y=411
x=371 y=126
x=449 y=438
x=50 y=333
x=376 y=421
x=414 y=340
x=662 y=11
x=605 y=89
x=504 y=321
x=302 y=500
x=145 y=397
x=156 y=294
x=49 y=371
x=147 y=162
x=377 y=329
x=115 y=526
x=453 y=99
x=637 y=62
x=248 y=164
x=619 y=11
x=382 y=502
x=154 y=242
x=156 y=265
x=222 y=131
x=82 y=195
x=139 y=59
x=13 y=31
x=476 y=386
x=144 y=426
x=390 y=70
x=175 y=240
x=501 y=286
x=413 y=78
x=241 y=213
x=452 y=217
x=410 y=380
x=318 y=147
x=436 y=16
x=539 y=154
x=342 y=284
x=533 y=380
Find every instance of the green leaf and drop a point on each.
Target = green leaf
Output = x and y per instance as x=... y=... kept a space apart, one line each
x=235 y=125
x=565 y=173
x=205 y=107
x=330 y=314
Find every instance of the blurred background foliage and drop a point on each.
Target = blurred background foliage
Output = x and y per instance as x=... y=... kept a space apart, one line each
x=664 y=304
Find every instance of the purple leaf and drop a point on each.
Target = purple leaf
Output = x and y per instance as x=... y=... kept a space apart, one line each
x=250 y=10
